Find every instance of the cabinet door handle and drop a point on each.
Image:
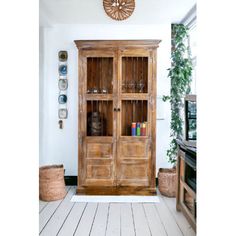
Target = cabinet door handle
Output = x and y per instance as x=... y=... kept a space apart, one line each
x=115 y=109
x=118 y=109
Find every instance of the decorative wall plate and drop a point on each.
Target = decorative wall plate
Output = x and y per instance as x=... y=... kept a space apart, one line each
x=119 y=9
x=63 y=84
x=62 y=55
x=62 y=113
x=62 y=99
x=62 y=70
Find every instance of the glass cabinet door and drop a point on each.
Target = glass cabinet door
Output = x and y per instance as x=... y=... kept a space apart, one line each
x=134 y=90
x=99 y=119
x=133 y=158
x=99 y=90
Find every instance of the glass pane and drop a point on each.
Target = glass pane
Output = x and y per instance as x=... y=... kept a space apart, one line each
x=99 y=118
x=191 y=120
x=192 y=110
x=190 y=170
x=99 y=75
x=134 y=74
x=134 y=118
x=193 y=41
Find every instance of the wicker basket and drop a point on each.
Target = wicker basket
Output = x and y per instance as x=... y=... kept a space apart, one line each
x=51 y=183
x=167 y=182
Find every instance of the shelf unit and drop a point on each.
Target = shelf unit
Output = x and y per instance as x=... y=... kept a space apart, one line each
x=117 y=87
x=186 y=200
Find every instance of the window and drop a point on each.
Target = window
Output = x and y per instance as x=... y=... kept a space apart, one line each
x=190 y=21
x=193 y=51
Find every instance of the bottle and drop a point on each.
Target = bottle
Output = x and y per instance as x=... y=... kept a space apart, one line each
x=133 y=129
x=138 y=129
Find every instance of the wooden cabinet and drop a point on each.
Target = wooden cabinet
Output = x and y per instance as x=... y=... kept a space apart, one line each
x=186 y=182
x=117 y=87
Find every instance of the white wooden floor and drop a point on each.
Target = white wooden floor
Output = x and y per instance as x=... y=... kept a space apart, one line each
x=66 y=218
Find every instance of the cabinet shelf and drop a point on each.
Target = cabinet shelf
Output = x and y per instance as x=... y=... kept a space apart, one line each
x=133 y=138
x=134 y=96
x=99 y=97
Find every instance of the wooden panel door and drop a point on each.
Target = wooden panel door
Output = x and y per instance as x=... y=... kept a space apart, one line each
x=97 y=121
x=134 y=156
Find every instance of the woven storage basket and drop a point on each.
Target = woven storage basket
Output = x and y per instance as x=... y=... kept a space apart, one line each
x=167 y=182
x=51 y=183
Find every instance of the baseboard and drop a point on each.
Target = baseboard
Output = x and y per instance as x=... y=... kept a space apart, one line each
x=72 y=180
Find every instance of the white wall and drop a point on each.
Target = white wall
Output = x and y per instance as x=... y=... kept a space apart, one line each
x=60 y=146
x=92 y=12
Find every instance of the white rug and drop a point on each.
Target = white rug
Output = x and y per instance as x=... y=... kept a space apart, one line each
x=99 y=198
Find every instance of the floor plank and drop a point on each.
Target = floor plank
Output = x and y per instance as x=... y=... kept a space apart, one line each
x=100 y=221
x=58 y=218
x=113 y=223
x=42 y=205
x=73 y=219
x=86 y=222
x=65 y=218
x=171 y=227
x=48 y=212
x=154 y=220
x=182 y=222
x=140 y=220
x=127 y=221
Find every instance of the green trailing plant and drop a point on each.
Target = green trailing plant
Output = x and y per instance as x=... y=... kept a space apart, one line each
x=180 y=74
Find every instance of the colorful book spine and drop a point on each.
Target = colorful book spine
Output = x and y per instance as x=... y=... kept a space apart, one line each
x=143 y=129
x=133 y=129
x=138 y=130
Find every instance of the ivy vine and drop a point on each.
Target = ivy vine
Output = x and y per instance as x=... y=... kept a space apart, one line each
x=180 y=74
